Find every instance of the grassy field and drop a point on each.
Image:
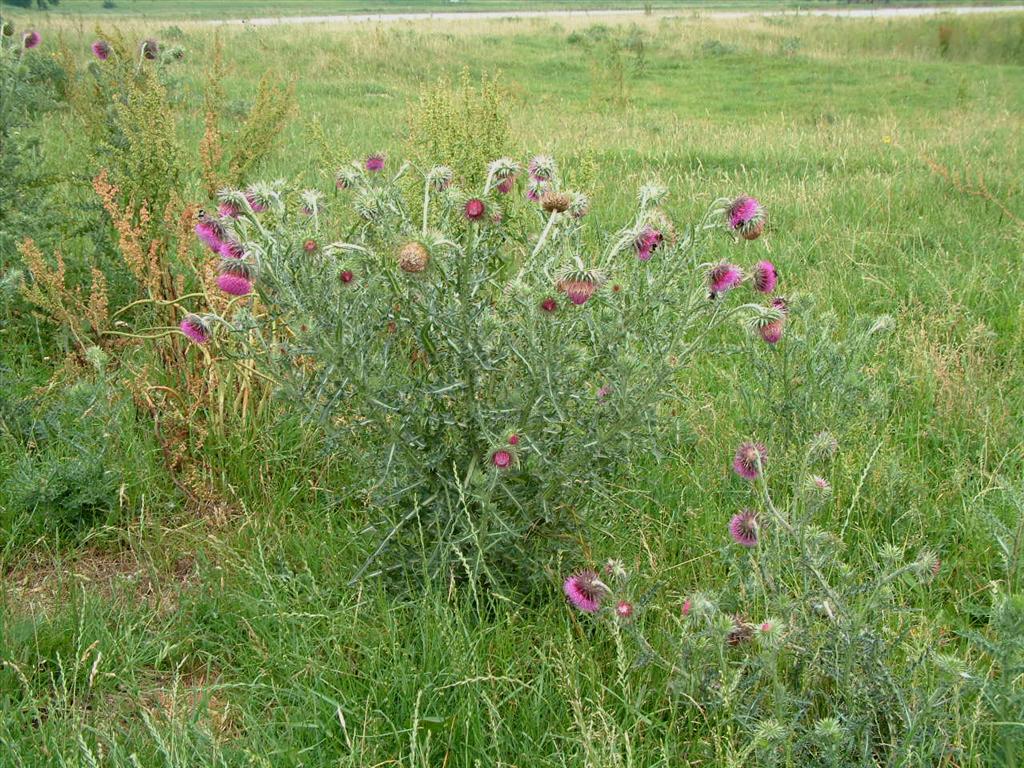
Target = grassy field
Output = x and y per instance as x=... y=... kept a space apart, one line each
x=235 y=9
x=223 y=631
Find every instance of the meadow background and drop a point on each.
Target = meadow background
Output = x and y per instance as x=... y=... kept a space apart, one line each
x=142 y=626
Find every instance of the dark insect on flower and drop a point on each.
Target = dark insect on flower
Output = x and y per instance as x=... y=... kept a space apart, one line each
x=647 y=243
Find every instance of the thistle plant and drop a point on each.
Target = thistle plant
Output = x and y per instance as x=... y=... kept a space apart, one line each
x=802 y=659
x=499 y=379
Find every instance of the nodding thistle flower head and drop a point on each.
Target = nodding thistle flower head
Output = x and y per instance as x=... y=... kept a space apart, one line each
x=647 y=242
x=235 y=278
x=769 y=632
x=101 y=49
x=311 y=201
x=585 y=590
x=503 y=168
x=764 y=277
x=310 y=245
x=150 y=49
x=346 y=276
x=579 y=206
x=210 y=231
x=535 y=189
x=743 y=528
x=413 y=257
x=624 y=609
x=231 y=249
x=542 y=168
x=195 y=329
x=749 y=460
x=746 y=217
x=506 y=185
x=768 y=322
x=474 y=209
x=31 y=39
x=555 y=202
x=262 y=196
x=723 y=277
x=579 y=284
x=375 y=162
x=549 y=305
x=440 y=177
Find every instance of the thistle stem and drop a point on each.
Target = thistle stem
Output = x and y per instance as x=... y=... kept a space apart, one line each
x=544 y=235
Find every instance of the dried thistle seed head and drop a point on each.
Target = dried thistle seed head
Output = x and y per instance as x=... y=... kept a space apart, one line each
x=413 y=257
x=555 y=202
x=740 y=633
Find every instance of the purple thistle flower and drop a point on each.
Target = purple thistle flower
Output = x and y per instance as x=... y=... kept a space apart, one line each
x=236 y=285
x=346 y=276
x=195 y=328
x=210 y=231
x=723 y=277
x=743 y=528
x=229 y=210
x=647 y=242
x=31 y=39
x=506 y=185
x=746 y=216
x=780 y=304
x=584 y=590
x=375 y=162
x=624 y=609
x=535 y=190
x=501 y=459
x=549 y=305
x=475 y=209
x=765 y=277
x=771 y=332
x=749 y=460
x=101 y=50
x=603 y=392
x=150 y=48
x=231 y=249
x=255 y=203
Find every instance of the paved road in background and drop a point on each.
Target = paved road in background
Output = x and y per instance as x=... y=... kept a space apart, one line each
x=455 y=16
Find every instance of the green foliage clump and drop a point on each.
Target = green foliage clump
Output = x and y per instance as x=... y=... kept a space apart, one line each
x=461 y=125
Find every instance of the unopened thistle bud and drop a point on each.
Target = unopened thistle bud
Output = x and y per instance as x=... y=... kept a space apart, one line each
x=474 y=209
x=580 y=205
x=440 y=177
x=345 y=178
x=413 y=257
x=346 y=276
x=823 y=446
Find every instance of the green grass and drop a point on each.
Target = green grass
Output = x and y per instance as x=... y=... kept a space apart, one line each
x=233 y=9
x=227 y=633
